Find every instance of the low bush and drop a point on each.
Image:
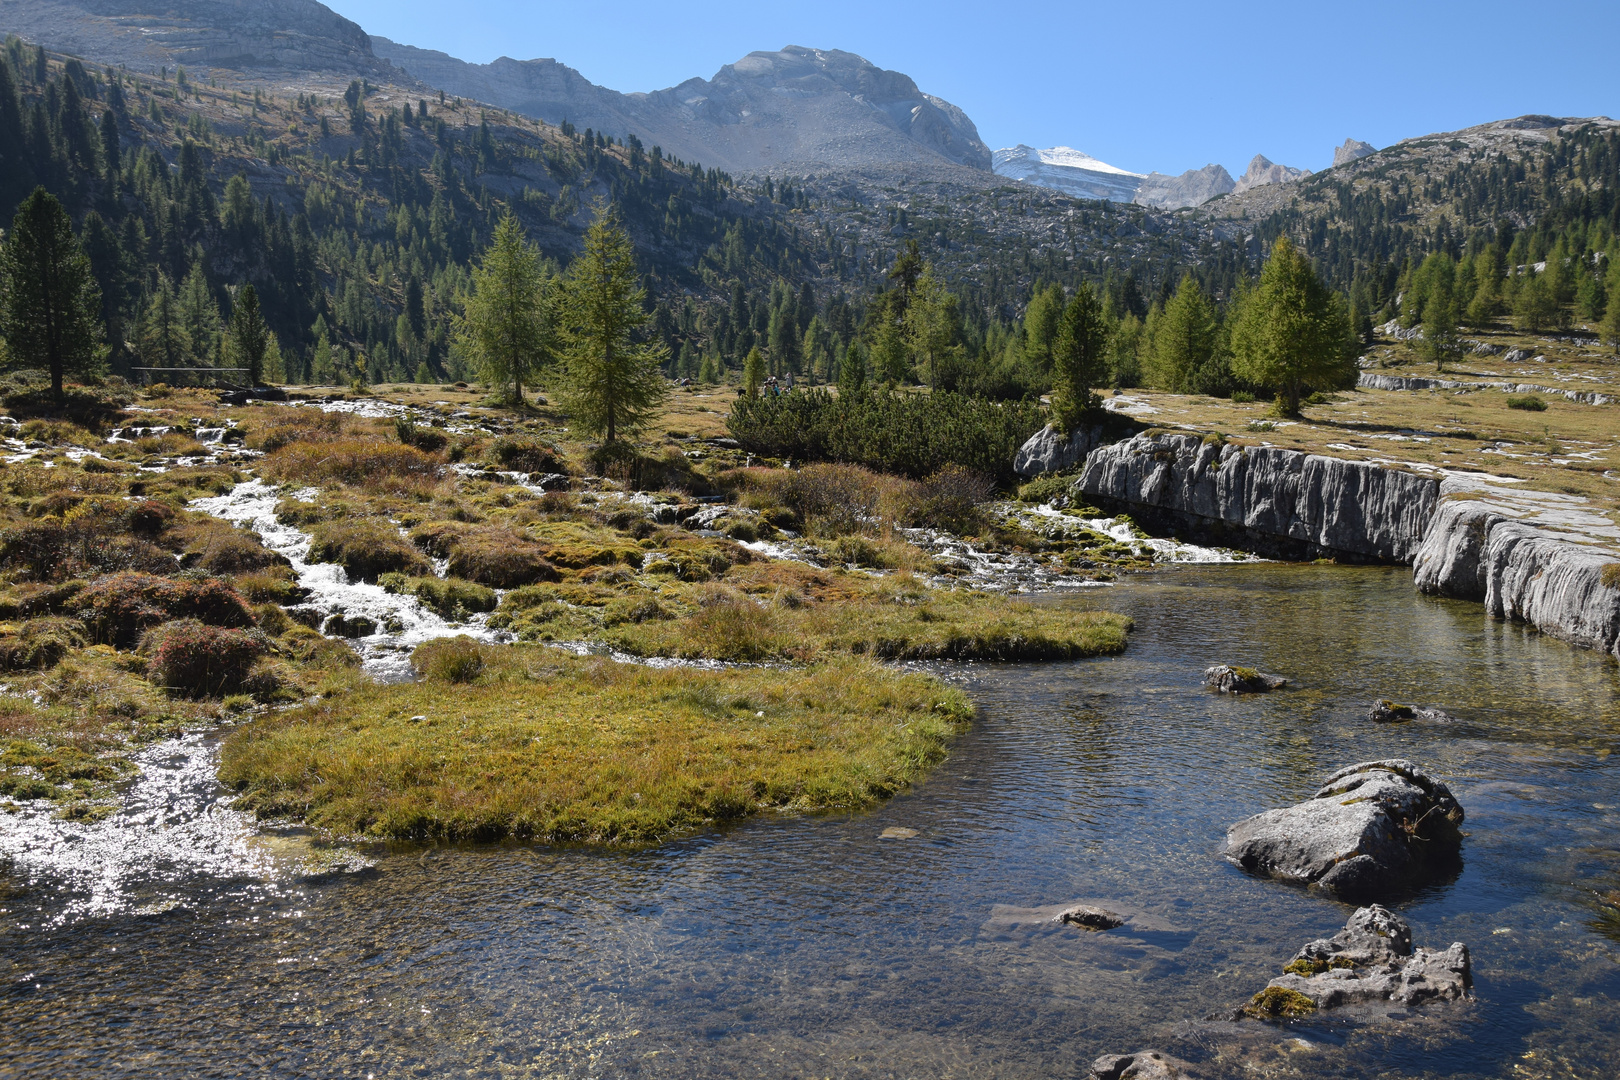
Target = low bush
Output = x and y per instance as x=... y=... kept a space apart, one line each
x=86 y=542
x=350 y=461
x=915 y=435
x=428 y=439
x=366 y=549
x=1046 y=488
x=92 y=408
x=269 y=587
x=312 y=648
x=194 y=659
x=458 y=659
x=118 y=608
x=1526 y=402
x=496 y=557
x=300 y=426
x=524 y=453
x=220 y=549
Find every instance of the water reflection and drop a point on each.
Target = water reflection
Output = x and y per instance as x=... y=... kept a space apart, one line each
x=794 y=947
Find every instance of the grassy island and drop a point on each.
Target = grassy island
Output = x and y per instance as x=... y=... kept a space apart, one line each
x=533 y=742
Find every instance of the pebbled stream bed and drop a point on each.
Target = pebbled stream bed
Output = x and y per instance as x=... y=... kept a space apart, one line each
x=810 y=947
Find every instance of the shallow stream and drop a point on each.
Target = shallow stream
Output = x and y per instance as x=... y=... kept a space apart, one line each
x=810 y=947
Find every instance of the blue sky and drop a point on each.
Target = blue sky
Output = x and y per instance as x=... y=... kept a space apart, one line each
x=1167 y=86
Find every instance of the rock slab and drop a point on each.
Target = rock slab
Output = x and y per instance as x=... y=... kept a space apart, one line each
x=1385 y=711
x=1142 y=1065
x=1371 y=961
x=1373 y=829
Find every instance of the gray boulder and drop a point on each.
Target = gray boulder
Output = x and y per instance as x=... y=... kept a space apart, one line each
x=1371 y=830
x=1385 y=711
x=1142 y=1065
x=1369 y=962
x=1241 y=680
x=1049 y=450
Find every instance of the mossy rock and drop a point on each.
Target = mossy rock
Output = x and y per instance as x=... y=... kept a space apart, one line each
x=1276 y=1002
x=367 y=549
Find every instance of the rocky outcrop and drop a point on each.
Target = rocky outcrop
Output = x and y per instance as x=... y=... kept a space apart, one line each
x=1371 y=380
x=1370 y=962
x=1263 y=171
x=1088 y=917
x=1049 y=450
x=1195 y=187
x=1571 y=590
x=1371 y=830
x=1241 y=680
x=1142 y=1065
x=1385 y=711
x=1280 y=501
x=1352 y=150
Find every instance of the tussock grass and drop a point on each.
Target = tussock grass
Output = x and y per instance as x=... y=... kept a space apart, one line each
x=361 y=462
x=544 y=745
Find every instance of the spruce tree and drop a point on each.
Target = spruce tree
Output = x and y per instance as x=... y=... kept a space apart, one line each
x=250 y=338
x=1184 y=338
x=615 y=384
x=506 y=323
x=1291 y=332
x=199 y=313
x=50 y=307
x=1079 y=358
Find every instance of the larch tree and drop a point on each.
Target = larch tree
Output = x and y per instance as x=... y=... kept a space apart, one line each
x=930 y=323
x=50 y=307
x=615 y=384
x=753 y=372
x=163 y=340
x=1185 y=337
x=1079 y=358
x=506 y=325
x=1291 y=331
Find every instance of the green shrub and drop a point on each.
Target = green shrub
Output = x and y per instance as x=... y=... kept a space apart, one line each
x=912 y=434
x=1242 y=397
x=458 y=659
x=366 y=549
x=197 y=660
x=1044 y=489
x=1526 y=402
x=118 y=608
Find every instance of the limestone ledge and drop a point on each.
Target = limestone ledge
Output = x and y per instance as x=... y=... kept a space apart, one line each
x=1531 y=556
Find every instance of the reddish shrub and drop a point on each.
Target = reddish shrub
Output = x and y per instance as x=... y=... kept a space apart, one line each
x=192 y=658
x=118 y=607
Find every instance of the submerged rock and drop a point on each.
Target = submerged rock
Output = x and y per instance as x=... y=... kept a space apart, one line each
x=1385 y=711
x=1091 y=918
x=1241 y=680
x=1142 y=1065
x=1373 y=828
x=1370 y=961
x=350 y=626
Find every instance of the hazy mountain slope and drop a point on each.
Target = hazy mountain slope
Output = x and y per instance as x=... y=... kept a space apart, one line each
x=1192 y=188
x=288 y=35
x=1065 y=169
x=1262 y=170
x=792 y=111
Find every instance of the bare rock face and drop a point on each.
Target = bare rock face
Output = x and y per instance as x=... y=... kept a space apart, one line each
x=1142 y=1065
x=1352 y=150
x=1262 y=171
x=1241 y=680
x=1372 y=830
x=1370 y=962
x=1195 y=187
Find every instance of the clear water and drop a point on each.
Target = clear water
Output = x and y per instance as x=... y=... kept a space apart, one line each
x=810 y=947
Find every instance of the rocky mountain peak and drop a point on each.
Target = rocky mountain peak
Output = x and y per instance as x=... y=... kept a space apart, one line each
x=1262 y=170
x=1352 y=150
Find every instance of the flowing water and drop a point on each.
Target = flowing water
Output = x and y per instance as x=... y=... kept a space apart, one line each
x=796 y=947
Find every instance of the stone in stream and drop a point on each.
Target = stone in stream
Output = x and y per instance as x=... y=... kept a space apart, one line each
x=1229 y=679
x=1369 y=962
x=1090 y=918
x=1385 y=711
x=1372 y=829
x=1142 y=1065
